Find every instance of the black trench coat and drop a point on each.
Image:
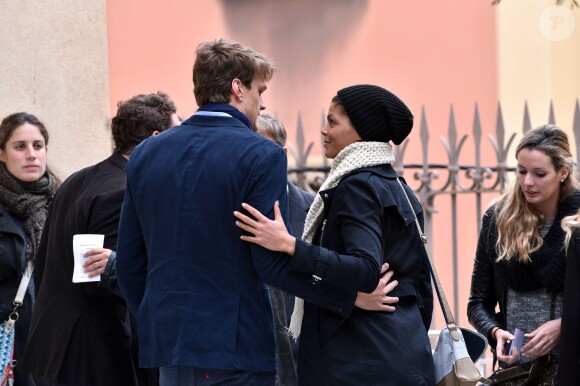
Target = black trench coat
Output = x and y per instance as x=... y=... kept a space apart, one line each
x=367 y=221
x=80 y=333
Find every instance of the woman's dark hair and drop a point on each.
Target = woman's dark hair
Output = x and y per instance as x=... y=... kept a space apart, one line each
x=14 y=121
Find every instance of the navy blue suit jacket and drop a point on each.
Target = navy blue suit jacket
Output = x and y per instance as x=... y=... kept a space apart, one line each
x=197 y=289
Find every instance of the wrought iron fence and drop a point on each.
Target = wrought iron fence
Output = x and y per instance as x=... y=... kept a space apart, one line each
x=453 y=178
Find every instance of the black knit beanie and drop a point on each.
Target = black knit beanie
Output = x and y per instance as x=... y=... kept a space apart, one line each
x=376 y=114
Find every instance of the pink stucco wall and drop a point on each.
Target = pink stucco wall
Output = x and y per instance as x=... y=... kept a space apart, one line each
x=432 y=54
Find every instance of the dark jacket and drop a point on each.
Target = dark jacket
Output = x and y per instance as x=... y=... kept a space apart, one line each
x=199 y=290
x=300 y=202
x=80 y=332
x=570 y=333
x=283 y=302
x=12 y=266
x=367 y=221
x=488 y=280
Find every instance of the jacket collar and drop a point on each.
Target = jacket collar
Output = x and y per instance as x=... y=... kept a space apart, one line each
x=385 y=171
x=213 y=121
x=118 y=160
x=10 y=223
x=227 y=109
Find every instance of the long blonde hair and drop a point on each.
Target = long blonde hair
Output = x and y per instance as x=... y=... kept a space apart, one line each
x=570 y=223
x=518 y=223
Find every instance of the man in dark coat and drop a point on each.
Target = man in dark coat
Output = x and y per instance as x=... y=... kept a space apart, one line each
x=80 y=333
x=204 y=310
x=299 y=200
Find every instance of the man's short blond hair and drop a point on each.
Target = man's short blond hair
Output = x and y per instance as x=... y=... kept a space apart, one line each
x=221 y=61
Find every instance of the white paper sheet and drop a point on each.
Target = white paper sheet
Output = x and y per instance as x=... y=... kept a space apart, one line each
x=81 y=244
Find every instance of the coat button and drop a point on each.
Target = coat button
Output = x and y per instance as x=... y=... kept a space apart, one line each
x=325 y=195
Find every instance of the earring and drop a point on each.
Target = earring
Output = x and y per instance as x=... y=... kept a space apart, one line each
x=562 y=180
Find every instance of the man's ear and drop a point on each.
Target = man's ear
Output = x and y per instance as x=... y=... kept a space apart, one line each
x=155 y=132
x=237 y=89
x=285 y=149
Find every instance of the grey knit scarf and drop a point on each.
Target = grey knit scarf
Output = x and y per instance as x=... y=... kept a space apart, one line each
x=28 y=201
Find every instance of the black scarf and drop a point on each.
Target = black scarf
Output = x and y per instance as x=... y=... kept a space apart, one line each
x=547 y=268
x=28 y=201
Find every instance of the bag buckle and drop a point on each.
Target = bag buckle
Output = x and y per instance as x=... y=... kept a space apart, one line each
x=12 y=318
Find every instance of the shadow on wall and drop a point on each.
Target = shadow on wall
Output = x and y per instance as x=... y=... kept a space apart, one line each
x=300 y=35
x=296 y=32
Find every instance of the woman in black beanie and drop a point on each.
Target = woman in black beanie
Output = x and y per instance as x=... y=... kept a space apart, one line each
x=360 y=220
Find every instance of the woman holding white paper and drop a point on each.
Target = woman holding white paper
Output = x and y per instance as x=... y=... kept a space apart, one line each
x=26 y=187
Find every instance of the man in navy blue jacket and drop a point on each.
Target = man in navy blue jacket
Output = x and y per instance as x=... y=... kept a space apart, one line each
x=203 y=309
x=299 y=201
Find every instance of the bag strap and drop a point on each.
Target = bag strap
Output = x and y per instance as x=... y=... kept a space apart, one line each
x=19 y=299
x=438 y=288
x=451 y=326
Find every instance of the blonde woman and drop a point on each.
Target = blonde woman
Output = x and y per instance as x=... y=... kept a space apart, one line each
x=520 y=261
x=570 y=332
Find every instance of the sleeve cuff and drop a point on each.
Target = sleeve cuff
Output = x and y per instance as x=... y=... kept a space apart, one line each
x=310 y=259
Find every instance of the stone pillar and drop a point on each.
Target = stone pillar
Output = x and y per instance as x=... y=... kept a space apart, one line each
x=54 y=64
x=539 y=56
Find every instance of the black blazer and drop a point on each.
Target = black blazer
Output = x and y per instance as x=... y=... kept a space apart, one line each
x=299 y=202
x=283 y=302
x=570 y=332
x=80 y=333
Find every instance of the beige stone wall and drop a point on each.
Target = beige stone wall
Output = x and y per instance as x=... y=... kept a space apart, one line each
x=539 y=58
x=54 y=64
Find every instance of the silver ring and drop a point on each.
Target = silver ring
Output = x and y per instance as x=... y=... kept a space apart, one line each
x=97 y=265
